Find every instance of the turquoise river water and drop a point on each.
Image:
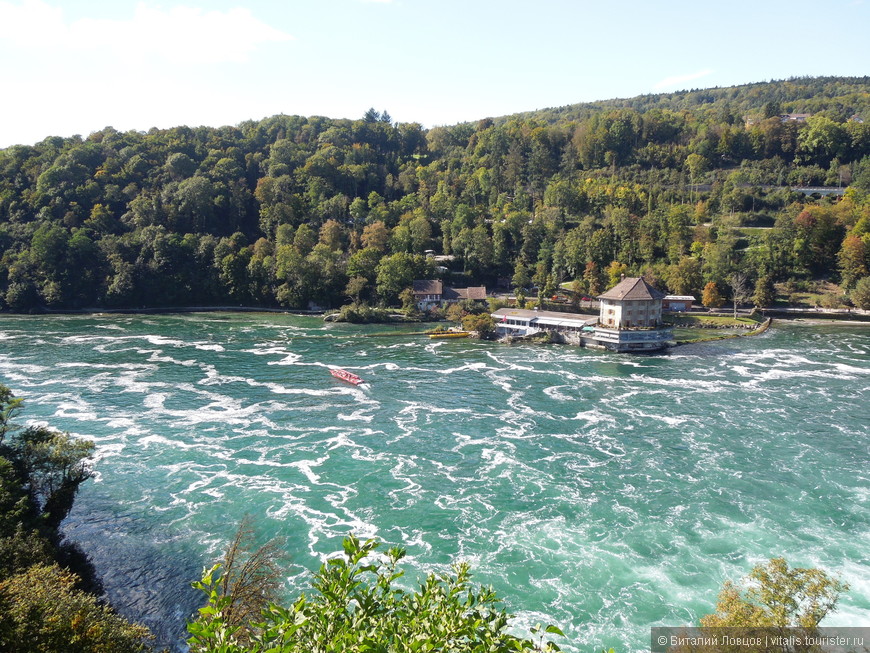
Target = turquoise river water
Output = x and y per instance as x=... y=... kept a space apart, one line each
x=604 y=493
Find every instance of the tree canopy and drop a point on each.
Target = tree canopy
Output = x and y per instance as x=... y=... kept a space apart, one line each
x=686 y=187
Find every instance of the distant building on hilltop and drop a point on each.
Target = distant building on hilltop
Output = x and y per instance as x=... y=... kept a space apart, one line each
x=794 y=117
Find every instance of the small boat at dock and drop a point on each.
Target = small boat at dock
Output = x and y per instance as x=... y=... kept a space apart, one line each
x=344 y=375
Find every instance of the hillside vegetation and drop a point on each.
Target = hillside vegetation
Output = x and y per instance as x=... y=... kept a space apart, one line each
x=689 y=189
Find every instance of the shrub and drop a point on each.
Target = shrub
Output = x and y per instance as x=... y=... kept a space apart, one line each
x=775 y=595
x=860 y=294
x=482 y=323
x=454 y=313
x=355 y=605
x=41 y=612
x=362 y=313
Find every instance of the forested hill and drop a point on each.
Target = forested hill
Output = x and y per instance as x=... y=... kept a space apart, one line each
x=687 y=188
x=839 y=98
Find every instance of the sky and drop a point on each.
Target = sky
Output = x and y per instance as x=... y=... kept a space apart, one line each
x=75 y=66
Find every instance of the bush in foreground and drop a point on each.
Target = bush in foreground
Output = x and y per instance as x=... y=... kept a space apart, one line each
x=356 y=606
x=42 y=608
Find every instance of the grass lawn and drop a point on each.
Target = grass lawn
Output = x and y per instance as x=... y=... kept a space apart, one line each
x=695 y=320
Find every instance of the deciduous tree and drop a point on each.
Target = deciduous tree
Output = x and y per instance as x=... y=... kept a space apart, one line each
x=776 y=595
x=711 y=298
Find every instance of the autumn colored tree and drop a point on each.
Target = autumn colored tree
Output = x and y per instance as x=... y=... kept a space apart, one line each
x=711 y=297
x=776 y=595
x=853 y=259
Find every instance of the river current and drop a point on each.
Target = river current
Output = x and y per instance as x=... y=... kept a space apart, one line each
x=600 y=492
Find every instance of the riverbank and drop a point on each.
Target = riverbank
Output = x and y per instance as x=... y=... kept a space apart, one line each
x=758 y=330
x=166 y=310
x=819 y=322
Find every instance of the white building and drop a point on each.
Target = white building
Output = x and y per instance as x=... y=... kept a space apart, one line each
x=630 y=318
x=678 y=303
x=522 y=322
x=631 y=303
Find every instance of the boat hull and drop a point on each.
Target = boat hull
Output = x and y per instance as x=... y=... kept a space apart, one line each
x=344 y=375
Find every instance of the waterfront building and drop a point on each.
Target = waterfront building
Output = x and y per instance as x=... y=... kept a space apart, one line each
x=520 y=322
x=630 y=318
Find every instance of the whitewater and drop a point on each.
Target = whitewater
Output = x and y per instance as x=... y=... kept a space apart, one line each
x=600 y=492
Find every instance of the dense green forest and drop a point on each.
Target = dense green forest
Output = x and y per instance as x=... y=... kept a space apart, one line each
x=687 y=188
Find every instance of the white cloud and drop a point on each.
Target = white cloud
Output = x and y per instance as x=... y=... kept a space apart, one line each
x=180 y=34
x=676 y=80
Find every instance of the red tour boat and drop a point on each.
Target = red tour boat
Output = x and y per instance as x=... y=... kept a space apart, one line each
x=344 y=375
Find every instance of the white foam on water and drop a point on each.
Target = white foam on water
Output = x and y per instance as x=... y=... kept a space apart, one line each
x=692 y=385
x=209 y=347
x=779 y=374
x=579 y=484
x=76 y=408
x=670 y=420
x=398 y=345
x=120 y=422
x=356 y=416
x=157 y=358
x=595 y=416
x=517 y=431
x=11 y=365
x=462 y=368
x=109 y=366
x=154 y=400
x=289 y=359
x=156 y=439
x=412 y=491
x=163 y=341
x=555 y=392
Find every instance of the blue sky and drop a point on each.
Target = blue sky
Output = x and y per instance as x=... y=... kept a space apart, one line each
x=75 y=66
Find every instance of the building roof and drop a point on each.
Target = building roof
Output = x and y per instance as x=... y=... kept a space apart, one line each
x=548 y=316
x=473 y=292
x=679 y=298
x=799 y=117
x=428 y=287
x=632 y=288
